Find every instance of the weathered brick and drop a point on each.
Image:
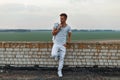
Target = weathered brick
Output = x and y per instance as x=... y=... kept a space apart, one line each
x=34 y=49
x=26 y=49
x=2 y=49
x=43 y=49
x=104 y=51
x=20 y=56
x=16 y=49
x=113 y=51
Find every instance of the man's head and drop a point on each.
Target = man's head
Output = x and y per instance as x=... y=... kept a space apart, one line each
x=63 y=17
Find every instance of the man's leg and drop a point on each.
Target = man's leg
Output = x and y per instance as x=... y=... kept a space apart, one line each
x=61 y=60
x=54 y=52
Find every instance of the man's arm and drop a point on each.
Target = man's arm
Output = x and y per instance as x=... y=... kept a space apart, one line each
x=69 y=37
x=56 y=30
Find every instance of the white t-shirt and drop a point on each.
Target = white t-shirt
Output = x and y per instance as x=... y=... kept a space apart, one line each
x=61 y=36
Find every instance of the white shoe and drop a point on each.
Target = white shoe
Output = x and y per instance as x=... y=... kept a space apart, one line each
x=60 y=73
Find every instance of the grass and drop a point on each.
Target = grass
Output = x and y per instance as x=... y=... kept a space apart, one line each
x=47 y=36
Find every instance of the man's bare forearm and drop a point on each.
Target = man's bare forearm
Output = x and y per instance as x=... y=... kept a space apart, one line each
x=54 y=32
x=69 y=37
x=69 y=40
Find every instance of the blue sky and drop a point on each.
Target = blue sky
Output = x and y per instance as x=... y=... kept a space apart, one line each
x=42 y=14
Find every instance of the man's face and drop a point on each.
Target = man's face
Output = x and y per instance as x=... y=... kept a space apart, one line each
x=62 y=19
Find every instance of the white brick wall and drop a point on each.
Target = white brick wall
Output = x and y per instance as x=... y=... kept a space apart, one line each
x=78 y=54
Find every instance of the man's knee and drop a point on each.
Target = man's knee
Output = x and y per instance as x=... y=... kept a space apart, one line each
x=53 y=55
x=62 y=58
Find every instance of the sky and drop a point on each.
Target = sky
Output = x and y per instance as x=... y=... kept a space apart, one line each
x=42 y=14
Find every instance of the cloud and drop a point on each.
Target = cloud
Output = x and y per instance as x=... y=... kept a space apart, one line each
x=21 y=16
x=87 y=14
x=18 y=8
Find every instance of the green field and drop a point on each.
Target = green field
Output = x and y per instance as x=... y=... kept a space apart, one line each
x=46 y=36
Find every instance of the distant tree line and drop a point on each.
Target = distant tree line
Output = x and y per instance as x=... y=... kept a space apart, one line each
x=74 y=30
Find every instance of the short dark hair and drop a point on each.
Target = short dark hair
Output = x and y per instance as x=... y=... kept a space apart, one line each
x=64 y=14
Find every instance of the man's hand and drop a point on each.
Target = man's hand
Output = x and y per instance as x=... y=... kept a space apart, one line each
x=56 y=30
x=66 y=45
x=60 y=26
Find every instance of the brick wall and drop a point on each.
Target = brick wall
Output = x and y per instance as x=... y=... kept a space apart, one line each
x=81 y=54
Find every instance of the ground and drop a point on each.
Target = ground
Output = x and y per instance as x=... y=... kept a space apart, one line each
x=68 y=74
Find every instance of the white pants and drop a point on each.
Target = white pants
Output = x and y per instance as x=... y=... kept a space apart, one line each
x=59 y=50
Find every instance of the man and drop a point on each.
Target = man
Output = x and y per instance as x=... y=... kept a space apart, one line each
x=60 y=33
